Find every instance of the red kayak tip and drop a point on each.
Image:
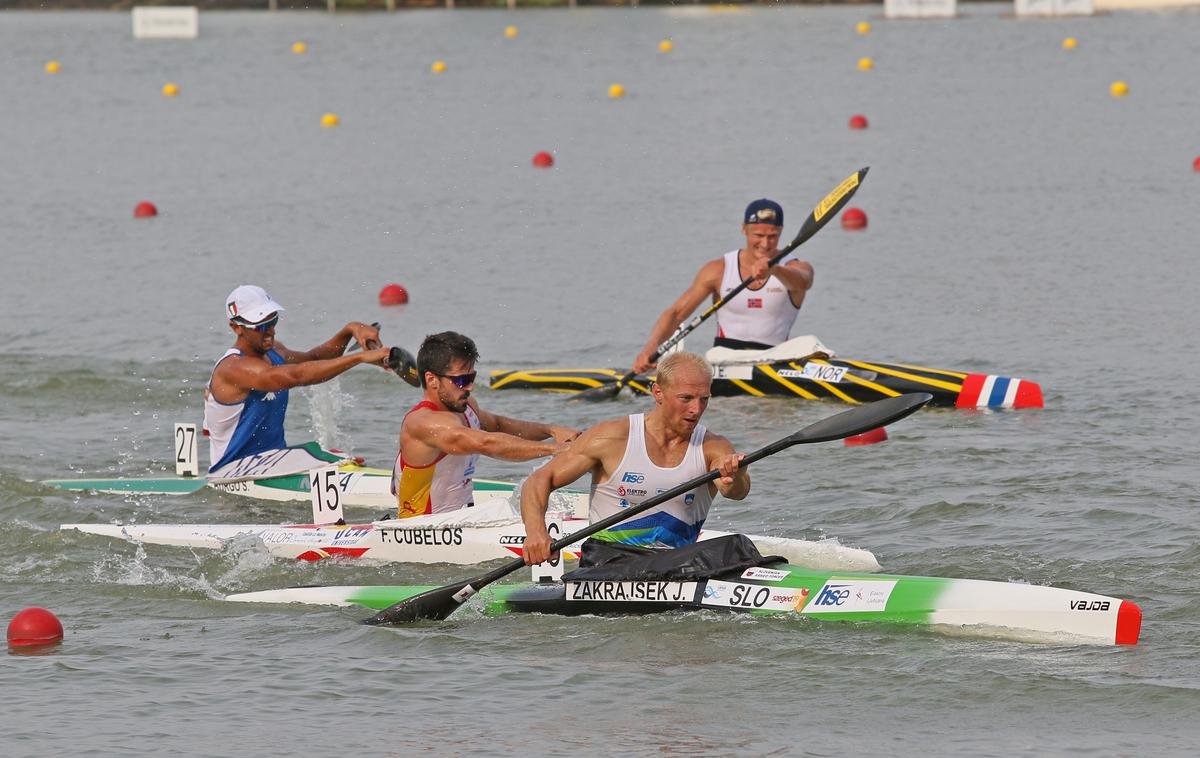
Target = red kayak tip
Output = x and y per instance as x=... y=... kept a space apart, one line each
x=34 y=626
x=1129 y=623
x=393 y=294
x=990 y=391
x=854 y=218
x=872 y=437
x=145 y=210
x=543 y=159
x=858 y=121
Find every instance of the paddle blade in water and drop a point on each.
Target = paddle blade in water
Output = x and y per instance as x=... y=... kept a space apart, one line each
x=432 y=605
x=598 y=394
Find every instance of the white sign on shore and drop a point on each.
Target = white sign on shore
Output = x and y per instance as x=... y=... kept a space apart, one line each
x=1054 y=7
x=920 y=8
x=166 y=22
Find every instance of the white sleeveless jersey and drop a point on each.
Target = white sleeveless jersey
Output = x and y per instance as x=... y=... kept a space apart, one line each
x=764 y=315
x=674 y=523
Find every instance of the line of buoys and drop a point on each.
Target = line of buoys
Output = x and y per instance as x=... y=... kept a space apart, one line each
x=865 y=64
x=543 y=159
x=52 y=67
x=393 y=294
x=862 y=27
x=330 y=120
x=665 y=46
x=511 y=32
x=854 y=218
x=872 y=437
x=616 y=91
x=438 y=67
x=299 y=48
x=34 y=627
x=1070 y=43
x=1118 y=89
x=858 y=121
x=170 y=89
x=145 y=209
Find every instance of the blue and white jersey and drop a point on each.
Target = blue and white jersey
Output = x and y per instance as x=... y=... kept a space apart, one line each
x=236 y=430
x=674 y=523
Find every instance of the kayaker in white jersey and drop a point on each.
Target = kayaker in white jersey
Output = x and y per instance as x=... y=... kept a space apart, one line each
x=442 y=436
x=760 y=316
x=636 y=457
x=246 y=399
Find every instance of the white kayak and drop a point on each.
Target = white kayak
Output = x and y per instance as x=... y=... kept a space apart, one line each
x=472 y=535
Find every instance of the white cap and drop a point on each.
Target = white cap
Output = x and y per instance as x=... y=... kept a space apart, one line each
x=250 y=303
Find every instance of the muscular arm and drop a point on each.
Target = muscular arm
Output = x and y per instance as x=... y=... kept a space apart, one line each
x=734 y=482
x=236 y=377
x=334 y=346
x=585 y=455
x=707 y=284
x=442 y=432
x=528 y=430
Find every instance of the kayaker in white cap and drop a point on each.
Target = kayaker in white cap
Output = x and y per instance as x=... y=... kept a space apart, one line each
x=760 y=316
x=246 y=399
x=636 y=457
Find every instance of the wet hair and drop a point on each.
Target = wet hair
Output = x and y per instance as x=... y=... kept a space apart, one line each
x=438 y=351
x=669 y=366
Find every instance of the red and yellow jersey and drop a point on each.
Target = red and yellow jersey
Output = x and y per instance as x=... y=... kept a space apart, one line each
x=444 y=485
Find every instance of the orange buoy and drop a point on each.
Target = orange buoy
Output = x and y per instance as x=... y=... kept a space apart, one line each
x=543 y=159
x=393 y=294
x=854 y=218
x=858 y=121
x=34 y=626
x=145 y=210
x=1196 y=164
x=867 y=438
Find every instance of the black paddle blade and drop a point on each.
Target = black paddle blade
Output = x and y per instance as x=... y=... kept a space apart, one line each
x=431 y=605
x=864 y=418
x=598 y=394
x=405 y=365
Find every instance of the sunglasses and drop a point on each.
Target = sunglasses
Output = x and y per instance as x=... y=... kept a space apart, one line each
x=261 y=326
x=462 y=381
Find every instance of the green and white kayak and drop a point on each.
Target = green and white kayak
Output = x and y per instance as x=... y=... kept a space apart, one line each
x=983 y=608
x=358 y=485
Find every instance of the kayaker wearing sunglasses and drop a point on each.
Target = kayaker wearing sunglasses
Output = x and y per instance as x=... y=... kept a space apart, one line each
x=246 y=399
x=442 y=436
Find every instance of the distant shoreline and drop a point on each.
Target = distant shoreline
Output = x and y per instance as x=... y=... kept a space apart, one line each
x=373 y=5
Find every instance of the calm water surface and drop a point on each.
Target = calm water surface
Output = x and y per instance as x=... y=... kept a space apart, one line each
x=1022 y=221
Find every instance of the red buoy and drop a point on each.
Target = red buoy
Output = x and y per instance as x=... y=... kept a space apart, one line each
x=867 y=438
x=858 y=121
x=543 y=159
x=1196 y=164
x=34 y=626
x=393 y=294
x=854 y=218
x=145 y=210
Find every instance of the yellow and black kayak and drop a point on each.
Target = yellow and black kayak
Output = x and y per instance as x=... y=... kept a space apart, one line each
x=809 y=378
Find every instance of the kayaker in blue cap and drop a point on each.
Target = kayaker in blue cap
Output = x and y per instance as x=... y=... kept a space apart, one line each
x=761 y=316
x=636 y=457
x=246 y=399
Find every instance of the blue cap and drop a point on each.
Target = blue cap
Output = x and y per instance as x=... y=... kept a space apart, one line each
x=764 y=211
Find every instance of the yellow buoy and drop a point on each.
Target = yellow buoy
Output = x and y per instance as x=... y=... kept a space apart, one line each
x=330 y=120
x=665 y=46
x=1070 y=43
x=170 y=89
x=299 y=48
x=862 y=27
x=438 y=67
x=865 y=64
x=52 y=67
x=616 y=90
x=1118 y=89
x=511 y=32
